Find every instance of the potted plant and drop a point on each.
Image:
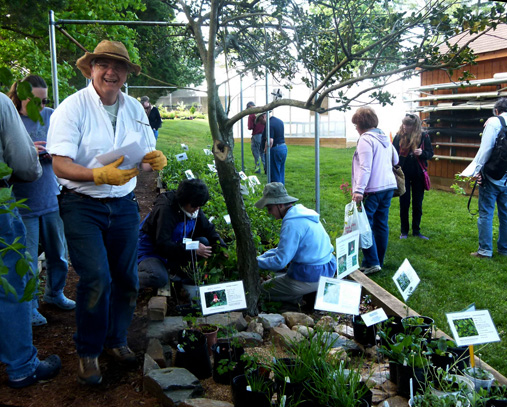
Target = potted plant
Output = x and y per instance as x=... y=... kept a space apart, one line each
x=252 y=389
x=365 y=335
x=480 y=377
x=442 y=355
x=444 y=383
x=227 y=360
x=192 y=353
x=495 y=397
x=425 y=323
x=432 y=400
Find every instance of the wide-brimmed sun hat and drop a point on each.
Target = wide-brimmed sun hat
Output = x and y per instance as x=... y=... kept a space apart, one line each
x=106 y=49
x=274 y=193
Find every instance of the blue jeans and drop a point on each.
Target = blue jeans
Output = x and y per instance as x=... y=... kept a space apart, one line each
x=258 y=151
x=16 y=347
x=155 y=133
x=50 y=229
x=489 y=194
x=278 y=155
x=377 y=209
x=102 y=239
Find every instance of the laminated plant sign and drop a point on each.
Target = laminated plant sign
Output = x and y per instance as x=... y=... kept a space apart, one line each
x=472 y=327
x=347 y=254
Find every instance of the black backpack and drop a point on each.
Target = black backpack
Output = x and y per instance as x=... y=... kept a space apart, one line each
x=496 y=166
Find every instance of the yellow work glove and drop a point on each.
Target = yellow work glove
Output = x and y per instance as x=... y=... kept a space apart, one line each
x=111 y=175
x=156 y=159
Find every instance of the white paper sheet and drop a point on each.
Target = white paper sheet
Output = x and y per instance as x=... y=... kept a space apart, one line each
x=338 y=296
x=133 y=154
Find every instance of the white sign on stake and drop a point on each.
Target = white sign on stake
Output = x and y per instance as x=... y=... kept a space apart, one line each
x=184 y=147
x=207 y=151
x=338 y=296
x=212 y=167
x=189 y=174
x=472 y=327
x=242 y=175
x=181 y=157
x=192 y=245
x=223 y=297
x=347 y=256
x=227 y=219
x=374 y=317
x=253 y=180
x=406 y=279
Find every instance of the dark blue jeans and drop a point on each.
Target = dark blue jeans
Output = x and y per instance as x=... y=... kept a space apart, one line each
x=278 y=155
x=16 y=347
x=102 y=241
x=377 y=208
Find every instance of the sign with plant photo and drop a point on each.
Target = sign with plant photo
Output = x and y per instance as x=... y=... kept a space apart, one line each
x=338 y=296
x=347 y=254
x=181 y=157
x=184 y=147
x=189 y=174
x=212 y=167
x=222 y=297
x=243 y=176
x=406 y=279
x=472 y=327
x=207 y=151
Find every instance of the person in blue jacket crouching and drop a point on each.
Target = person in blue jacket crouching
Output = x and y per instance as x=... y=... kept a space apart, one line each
x=304 y=243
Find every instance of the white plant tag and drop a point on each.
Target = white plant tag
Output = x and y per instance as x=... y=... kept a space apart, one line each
x=207 y=151
x=212 y=167
x=184 y=147
x=192 y=245
x=248 y=388
x=181 y=157
x=227 y=219
x=242 y=175
x=189 y=174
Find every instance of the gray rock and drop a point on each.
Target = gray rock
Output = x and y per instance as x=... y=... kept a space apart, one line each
x=284 y=336
x=168 y=355
x=397 y=401
x=334 y=340
x=156 y=352
x=166 y=331
x=249 y=338
x=256 y=327
x=345 y=330
x=172 y=385
x=149 y=364
x=306 y=331
x=327 y=323
x=269 y=321
x=234 y=319
x=298 y=318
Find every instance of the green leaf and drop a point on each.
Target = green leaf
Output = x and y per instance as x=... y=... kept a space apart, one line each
x=22 y=267
x=24 y=90
x=5 y=194
x=6 y=76
x=29 y=290
x=4 y=169
x=33 y=110
x=9 y=289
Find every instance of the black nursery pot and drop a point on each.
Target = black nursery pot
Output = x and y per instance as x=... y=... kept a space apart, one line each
x=443 y=361
x=244 y=398
x=462 y=356
x=426 y=326
x=195 y=357
x=365 y=335
x=403 y=376
x=225 y=351
x=496 y=403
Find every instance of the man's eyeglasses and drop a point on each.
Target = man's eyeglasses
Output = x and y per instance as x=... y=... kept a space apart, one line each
x=412 y=116
x=45 y=101
x=118 y=68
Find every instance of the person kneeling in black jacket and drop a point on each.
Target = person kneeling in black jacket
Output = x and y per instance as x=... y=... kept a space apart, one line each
x=177 y=217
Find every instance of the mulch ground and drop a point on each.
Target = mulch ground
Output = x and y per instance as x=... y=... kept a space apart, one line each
x=120 y=388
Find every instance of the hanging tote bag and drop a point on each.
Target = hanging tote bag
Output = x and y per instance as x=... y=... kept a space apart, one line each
x=427 y=181
x=358 y=220
x=400 y=180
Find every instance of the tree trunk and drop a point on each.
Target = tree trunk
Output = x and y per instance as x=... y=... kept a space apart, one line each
x=230 y=183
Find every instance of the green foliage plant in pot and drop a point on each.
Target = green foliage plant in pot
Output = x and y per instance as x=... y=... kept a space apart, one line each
x=192 y=353
x=444 y=383
x=432 y=400
x=413 y=322
x=495 y=397
x=254 y=388
x=444 y=354
x=227 y=360
x=481 y=378
x=364 y=335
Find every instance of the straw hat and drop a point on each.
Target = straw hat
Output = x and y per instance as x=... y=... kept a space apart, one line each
x=274 y=193
x=106 y=49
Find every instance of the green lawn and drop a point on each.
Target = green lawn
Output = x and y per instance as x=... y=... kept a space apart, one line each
x=450 y=278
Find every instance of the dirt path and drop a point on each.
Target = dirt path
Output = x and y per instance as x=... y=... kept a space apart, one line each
x=120 y=388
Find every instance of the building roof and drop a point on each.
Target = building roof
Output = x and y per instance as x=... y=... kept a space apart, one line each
x=494 y=40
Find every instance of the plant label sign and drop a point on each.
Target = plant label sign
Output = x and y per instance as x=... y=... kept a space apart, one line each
x=242 y=175
x=212 y=167
x=472 y=327
x=374 y=317
x=406 y=279
x=184 y=147
x=207 y=151
x=189 y=174
x=253 y=180
x=223 y=297
x=192 y=245
x=338 y=296
x=181 y=157
x=347 y=256
x=227 y=219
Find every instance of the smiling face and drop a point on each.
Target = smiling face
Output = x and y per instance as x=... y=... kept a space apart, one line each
x=41 y=93
x=108 y=76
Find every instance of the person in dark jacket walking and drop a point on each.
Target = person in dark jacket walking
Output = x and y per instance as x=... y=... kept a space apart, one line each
x=414 y=148
x=177 y=217
x=153 y=115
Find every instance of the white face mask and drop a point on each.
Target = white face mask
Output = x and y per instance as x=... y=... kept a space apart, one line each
x=190 y=215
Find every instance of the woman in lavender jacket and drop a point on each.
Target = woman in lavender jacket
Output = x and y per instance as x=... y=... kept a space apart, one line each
x=373 y=183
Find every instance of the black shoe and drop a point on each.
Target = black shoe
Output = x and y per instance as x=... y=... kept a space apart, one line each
x=123 y=355
x=46 y=370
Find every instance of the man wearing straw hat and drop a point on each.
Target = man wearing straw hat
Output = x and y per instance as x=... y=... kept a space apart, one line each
x=97 y=203
x=304 y=243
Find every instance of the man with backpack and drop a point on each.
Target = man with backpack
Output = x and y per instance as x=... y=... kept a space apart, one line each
x=491 y=173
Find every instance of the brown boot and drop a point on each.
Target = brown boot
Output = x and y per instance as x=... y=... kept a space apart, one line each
x=89 y=371
x=123 y=355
